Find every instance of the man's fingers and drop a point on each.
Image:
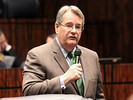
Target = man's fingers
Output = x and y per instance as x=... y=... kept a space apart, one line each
x=77 y=67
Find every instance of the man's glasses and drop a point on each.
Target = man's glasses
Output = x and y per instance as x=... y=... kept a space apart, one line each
x=71 y=26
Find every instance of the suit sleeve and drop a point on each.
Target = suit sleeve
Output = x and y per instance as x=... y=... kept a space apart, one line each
x=35 y=78
x=99 y=91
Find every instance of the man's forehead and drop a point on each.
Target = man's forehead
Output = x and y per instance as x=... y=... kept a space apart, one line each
x=68 y=16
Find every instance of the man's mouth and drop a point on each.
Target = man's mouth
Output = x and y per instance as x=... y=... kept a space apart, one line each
x=72 y=37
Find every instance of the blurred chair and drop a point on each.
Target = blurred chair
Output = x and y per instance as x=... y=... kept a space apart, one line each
x=19 y=8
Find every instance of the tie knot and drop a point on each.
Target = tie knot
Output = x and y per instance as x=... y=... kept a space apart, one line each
x=71 y=54
x=72 y=58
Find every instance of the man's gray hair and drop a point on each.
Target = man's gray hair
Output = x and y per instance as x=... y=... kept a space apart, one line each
x=73 y=9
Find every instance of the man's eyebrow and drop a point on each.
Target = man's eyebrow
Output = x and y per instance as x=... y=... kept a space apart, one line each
x=69 y=23
x=72 y=23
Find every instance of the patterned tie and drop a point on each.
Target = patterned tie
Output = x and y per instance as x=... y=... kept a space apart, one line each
x=79 y=82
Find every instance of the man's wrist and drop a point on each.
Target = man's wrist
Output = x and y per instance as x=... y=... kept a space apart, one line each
x=62 y=82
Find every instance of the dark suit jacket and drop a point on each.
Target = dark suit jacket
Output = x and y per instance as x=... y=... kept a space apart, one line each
x=17 y=61
x=44 y=65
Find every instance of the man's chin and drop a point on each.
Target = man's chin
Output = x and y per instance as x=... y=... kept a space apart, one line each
x=73 y=43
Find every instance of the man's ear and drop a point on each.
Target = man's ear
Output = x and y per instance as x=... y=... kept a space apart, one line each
x=56 y=27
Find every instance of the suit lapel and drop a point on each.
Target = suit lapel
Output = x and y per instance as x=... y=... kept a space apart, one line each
x=86 y=70
x=60 y=59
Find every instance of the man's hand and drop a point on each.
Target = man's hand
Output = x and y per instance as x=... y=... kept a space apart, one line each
x=73 y=73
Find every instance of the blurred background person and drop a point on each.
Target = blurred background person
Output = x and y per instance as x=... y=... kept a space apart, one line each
x=50 y=37
x=8 y=51
x=2 y=64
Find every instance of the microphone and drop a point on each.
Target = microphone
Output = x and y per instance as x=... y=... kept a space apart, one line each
x=77 y=54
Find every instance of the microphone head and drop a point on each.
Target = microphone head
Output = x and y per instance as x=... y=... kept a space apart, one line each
x=77 y=52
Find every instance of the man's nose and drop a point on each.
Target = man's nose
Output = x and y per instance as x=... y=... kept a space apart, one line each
x=73 y=29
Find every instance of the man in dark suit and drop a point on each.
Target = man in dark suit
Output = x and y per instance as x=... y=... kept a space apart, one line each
x=7 y=50
x=48 y=68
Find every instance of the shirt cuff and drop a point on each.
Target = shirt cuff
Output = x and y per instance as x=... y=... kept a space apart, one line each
x=62 y=83
x=8 y=48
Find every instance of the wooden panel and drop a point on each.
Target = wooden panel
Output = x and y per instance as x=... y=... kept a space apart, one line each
x=117 y=81
x=14 y=92
x=117 y=73
x=117 y=91
x=11 y=77
x=11 y=82
x=24 y=34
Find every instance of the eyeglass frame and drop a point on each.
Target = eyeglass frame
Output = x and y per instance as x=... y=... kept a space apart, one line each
x=71 y=27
